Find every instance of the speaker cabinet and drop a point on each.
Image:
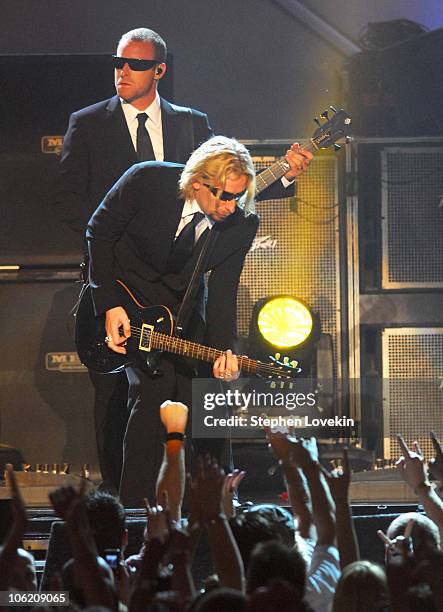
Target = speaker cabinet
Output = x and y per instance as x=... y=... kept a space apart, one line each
x=400 y=213
x=297 y=248
x=46 y=399
x=412 y=387
x=396 y=288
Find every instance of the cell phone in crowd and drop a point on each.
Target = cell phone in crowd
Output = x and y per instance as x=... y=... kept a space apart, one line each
x=112 y=557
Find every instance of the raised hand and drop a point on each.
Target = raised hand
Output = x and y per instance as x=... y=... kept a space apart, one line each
x=207 y=488
x=230 y=486
x=339 y=479
x=411 y=464
x=400 y=548
x=62 y=498
x=303 y=452
x=158 y=521
x=281 y=444
x=174 y=416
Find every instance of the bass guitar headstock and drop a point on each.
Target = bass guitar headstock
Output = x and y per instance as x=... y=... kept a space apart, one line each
x=332 y=128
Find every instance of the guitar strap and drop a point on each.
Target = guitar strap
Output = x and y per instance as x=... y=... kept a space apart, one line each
x=185 y=309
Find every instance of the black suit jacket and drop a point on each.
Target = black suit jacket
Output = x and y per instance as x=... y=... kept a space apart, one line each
x=98 y=149
x=130 y=236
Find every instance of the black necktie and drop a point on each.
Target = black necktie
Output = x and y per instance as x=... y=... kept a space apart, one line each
x=183 y=246
x=145 y=152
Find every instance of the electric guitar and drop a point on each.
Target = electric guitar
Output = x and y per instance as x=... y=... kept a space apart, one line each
x=152 y=328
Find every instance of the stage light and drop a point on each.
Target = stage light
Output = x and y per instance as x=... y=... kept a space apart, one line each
x=286 y=326
x=285 y=322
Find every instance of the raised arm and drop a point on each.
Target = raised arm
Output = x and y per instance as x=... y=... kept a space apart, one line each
x=298 y=491
x=304 y=454
x=171 y=477
x=413 y=470
x=207 y=492
x=339 y=481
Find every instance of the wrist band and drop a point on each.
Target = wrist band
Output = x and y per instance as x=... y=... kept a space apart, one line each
x=175 y=435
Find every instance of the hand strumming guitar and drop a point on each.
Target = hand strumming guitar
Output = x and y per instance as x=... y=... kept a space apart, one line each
x=116 y=319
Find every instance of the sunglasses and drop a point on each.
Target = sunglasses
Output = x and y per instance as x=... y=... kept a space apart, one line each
x=139 y=65
x=224 y=196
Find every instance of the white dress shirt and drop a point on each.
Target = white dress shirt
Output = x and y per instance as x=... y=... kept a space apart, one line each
x=189 y=209
x=153 y=124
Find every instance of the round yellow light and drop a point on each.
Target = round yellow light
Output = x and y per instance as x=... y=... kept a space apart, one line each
x=284 y=322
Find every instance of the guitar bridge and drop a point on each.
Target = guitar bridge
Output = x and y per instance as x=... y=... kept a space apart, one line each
x=145 y=337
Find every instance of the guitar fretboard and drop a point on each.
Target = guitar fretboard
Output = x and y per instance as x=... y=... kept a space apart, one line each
x=278 y=169
x=178 y=346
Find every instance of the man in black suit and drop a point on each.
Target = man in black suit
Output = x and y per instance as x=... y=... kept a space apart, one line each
x=99 y=146
x=102 y=142
x=132 y=236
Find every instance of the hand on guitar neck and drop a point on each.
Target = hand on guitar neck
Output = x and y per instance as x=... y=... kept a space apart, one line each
x=226 y=366
x=298 y=159
x=117 y=320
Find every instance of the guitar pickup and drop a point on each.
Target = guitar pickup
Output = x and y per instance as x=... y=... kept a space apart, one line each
x=146 y=337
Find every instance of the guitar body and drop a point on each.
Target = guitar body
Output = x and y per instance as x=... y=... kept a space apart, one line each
x=90 y=333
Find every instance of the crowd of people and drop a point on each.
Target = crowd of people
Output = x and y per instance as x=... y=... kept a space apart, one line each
x=264 y=558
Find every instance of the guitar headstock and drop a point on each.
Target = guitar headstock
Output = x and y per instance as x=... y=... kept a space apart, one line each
x=334 y=128
x=278 y=370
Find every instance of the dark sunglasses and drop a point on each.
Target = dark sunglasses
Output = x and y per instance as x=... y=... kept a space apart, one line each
x=134 y=64
x=225 y=196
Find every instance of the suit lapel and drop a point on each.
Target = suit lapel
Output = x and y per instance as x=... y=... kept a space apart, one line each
x=117 y=128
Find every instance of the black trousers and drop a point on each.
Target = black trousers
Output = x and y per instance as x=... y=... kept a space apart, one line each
x=145 y=433
x=111 y=417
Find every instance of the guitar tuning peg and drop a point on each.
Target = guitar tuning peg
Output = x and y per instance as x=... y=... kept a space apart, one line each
x=333 y=109
x=291 y=385
x=317 y=121
x=337 y=147
x=277 y=356
x=273 y=385
x=325 y=115
x=294 y=363
x=286 y=360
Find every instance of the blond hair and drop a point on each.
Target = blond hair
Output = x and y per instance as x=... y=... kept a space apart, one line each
x=215 y=161
x=362 y=588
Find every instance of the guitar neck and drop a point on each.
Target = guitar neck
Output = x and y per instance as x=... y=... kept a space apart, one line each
x=178 y=346
x=278 y=169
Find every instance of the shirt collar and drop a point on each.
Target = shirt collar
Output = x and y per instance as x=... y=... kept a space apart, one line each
x=153 y=110
x=191 y=207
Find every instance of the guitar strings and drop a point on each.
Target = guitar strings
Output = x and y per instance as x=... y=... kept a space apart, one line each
x=245 y=362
